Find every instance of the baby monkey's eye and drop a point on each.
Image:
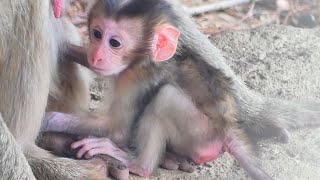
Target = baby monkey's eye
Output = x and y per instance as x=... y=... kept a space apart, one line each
x=97 y=34
x=114 y=43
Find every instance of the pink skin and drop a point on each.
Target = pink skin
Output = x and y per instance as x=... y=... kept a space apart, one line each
x=94 y=146
x=57 y=6
x=90 y=147
x=102 y=57
x=59 y=122
x=209 y=153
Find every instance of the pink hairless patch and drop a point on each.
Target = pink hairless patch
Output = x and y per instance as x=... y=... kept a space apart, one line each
x=209 y=153
x=57 y=8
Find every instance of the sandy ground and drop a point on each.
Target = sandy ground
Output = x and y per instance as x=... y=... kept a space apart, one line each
x=276 y=61
x=279 y=62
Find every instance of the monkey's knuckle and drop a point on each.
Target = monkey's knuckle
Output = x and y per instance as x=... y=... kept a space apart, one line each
x=91 y=153
x=86 y=148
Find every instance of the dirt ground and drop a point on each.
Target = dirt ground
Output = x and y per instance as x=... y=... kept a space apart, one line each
x=277 y=61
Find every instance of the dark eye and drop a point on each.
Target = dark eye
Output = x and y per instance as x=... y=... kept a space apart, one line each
x=114 y=43
x=97 y=34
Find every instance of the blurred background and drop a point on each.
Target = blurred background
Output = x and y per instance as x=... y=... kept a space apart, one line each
x=219 y=16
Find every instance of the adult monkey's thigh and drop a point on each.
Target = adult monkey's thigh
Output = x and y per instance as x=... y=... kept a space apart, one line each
x=8 y=147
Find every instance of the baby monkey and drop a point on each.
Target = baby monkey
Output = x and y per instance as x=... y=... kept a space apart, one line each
x=166 y=97
x=156 y=79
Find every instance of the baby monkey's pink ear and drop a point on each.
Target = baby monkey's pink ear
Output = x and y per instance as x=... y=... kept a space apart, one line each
x=57 y=6
x=165 y=42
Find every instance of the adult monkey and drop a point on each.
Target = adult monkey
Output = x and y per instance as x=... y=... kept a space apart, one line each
x=26 y=54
